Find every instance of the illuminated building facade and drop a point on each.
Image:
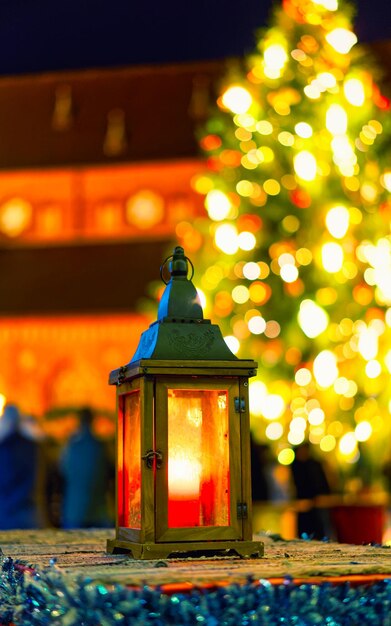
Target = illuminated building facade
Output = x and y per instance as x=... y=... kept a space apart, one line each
x=96 y=172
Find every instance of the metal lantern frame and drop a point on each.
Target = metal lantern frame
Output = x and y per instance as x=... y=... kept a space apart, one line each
x=182 y=361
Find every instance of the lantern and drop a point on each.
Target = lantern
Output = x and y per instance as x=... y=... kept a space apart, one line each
x=183 y=439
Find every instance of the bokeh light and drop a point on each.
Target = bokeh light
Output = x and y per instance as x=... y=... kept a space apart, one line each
x=341 y=39
x=237 y=99
x=312 y=318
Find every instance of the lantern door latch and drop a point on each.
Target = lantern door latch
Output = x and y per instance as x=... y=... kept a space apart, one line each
x=242 y=510
x=240 y=405
x=149 y=457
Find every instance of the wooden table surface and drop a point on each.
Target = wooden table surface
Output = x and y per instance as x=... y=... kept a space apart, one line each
x=83 y=553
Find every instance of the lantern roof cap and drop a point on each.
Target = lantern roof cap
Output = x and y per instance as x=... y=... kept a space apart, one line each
x=180 y=332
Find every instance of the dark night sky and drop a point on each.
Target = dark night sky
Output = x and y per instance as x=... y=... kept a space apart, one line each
x=44 y=35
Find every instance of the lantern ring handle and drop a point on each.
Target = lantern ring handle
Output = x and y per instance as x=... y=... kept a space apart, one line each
x=163 y=265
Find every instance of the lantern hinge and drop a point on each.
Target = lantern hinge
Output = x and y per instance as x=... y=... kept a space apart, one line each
x=240 y=405
x=242 y=511
x=149 y=457
x=121 y=375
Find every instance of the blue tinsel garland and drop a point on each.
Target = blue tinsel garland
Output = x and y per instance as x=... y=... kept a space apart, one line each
x=47 y=597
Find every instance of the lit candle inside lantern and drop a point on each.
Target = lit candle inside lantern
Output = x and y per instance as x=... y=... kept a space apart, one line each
x=183 y=491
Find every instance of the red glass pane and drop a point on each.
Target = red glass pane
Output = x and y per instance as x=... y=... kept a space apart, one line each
x=129 y=462
x=198 y=458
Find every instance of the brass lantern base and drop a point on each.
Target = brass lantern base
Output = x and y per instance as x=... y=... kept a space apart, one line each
x=184 y=549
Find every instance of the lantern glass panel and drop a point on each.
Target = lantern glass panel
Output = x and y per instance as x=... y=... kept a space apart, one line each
x=198 y=458
x=130 y=503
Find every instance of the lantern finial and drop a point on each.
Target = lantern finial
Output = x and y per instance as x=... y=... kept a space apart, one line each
x=179 y=266
x=180 y=300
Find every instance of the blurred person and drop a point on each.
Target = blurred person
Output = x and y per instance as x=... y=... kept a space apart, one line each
x=53 y=483
x=19 y=470
x=265 y=483
x=87 y=472
x=310 y=484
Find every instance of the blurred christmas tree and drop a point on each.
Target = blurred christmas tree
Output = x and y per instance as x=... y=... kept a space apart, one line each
x=294 y=253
